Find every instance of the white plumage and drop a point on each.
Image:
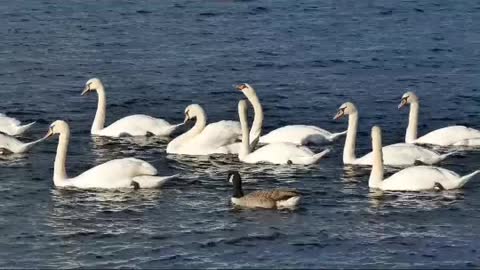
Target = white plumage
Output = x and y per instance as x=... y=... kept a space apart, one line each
x=133 y=125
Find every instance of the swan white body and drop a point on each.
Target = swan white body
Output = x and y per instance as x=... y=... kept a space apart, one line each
x=452 y=135
x=400 y=154
x=12 y=126
x=256 y=130
x=276 y=153
x=416 y=178
x=203 y=139
x=117 y=173
x=133 y=125
x=10 y=144
x=300 y=135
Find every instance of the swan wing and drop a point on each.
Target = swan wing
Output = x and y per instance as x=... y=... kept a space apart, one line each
x=448 y=135
x=218 y=134
x=296 y=134
x=117 y=173
x=421 y=178
x=280 y=153
x=11 y=144
x=402 y=154
x=137 y=125
x=8 y=125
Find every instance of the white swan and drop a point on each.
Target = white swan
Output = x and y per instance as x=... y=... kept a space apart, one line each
x=117 y=173
x=10 y=145
x=133 y=125
x=413 y=178
x=276 y=153
x=12 y=126
x=203 y=139
x=256 y=130
x=300 y=135
x=399 y=154
x=444 y=136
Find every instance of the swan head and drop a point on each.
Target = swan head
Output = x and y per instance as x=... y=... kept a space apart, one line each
x=408 y=98
x=57 y=127
x=192 y=111
x=345 y=109
x=245 y=88
x=92 y=85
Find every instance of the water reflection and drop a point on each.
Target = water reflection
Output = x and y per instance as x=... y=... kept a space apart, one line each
x=425 y=200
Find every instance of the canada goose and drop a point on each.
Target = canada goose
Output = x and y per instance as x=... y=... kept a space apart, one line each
x=273 y=198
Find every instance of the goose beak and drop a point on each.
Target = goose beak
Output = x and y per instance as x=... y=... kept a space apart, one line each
x=402 y=103
x=85 y=90
x=339 y=115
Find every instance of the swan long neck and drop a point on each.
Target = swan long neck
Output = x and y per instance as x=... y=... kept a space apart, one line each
x=412 y=128
x=256 y=130
x=200 y=124
x=244 y=147
x=99 y=121
x=351 y=139
x=376 y=175
x=59 y=170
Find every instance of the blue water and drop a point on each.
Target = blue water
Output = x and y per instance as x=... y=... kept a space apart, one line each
x=305 y=58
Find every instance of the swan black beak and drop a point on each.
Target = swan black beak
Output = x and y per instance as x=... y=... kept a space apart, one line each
x=403 y=103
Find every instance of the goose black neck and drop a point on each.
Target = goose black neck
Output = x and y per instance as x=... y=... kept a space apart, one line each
x=237 y=186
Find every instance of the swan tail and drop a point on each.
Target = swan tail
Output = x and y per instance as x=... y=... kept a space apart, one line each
x=309 y=160
x=335 y=136
x=464 y=179
x=444 y=156
x=22 y=129
x=290 y=203
x=148 y=181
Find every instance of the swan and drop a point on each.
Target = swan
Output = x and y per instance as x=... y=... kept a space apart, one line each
x=444 y=136
x=270 y=199
x=415 y=178
x=132 y=125
x=276 y=153
x=10 y=145
x=113 y=174
x=399 y=154
x=256 y=130
x=300 y=135
x=12 y=126
x=203 y=139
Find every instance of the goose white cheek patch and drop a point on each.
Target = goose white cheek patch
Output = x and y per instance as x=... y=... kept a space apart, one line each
x=230 y=180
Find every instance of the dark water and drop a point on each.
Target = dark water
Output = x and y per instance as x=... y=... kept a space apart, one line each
x=305 y=58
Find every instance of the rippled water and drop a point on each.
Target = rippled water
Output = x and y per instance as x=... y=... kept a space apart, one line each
x=305 y=58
